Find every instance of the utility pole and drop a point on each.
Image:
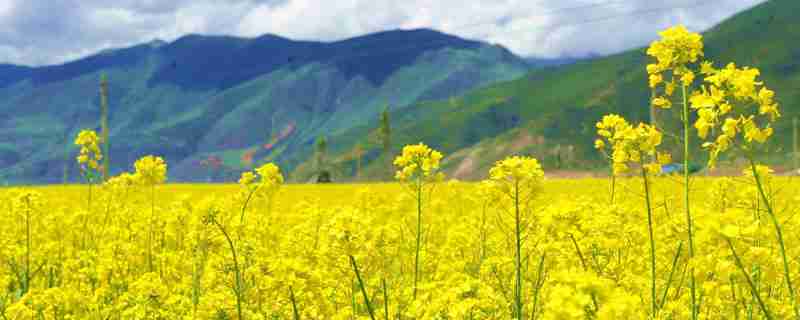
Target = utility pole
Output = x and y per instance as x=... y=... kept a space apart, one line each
x=104 y=123
x=322 y=148
x=323 y=175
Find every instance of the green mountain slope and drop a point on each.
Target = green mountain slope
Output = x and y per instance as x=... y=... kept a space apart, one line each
x=550 y=113
x=226 y=98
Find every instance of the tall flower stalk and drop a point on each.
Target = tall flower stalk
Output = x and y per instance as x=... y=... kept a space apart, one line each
x=608 y=130
x=151 y=171
x=418 y=168
x=27 y=202
x=745 y=109
x=263 y=181
x=518 y=179
x=675 y=52
x=753 y=288
x=89 y=158
x=211 y=219
x=89 y=163
x=633 y=145
x=362 y=287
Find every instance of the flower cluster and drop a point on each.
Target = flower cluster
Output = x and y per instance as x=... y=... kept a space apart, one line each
x=90 y=155
x=418 y=162
x=523 y=172
x=630 y=144
x=265 y=177
x=733 y=99
x=123 y=180
x=151 y=170
x=270 y=174
x=676 y=49
x=609 y=129
x=573 y=293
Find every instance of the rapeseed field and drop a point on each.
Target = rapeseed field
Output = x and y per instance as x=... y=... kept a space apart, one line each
x=638 y=245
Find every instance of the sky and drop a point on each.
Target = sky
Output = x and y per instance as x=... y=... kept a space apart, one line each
x=44 y=32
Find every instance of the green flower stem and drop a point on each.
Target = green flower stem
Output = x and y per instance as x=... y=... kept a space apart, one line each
x=585 y=266
x=692 y=285
x=613 y=184
x=518 y=256
x=27 y=278
x=247 y=201
x=538 y=286
x=361 y=285
x=419 y=234
x=778 y=234
x=238 y=284
x=749 y=282
x=385 y=299
x=89 y=201
x=653 y=304
x=151 y=232
x=353 y=297
x=671 y=274
x=294 y=304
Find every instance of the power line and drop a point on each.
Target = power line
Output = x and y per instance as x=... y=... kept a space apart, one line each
x=544 y=13
x=647 y=11
x=632 y=13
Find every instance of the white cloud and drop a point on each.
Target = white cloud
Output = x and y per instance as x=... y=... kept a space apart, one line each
x=6 y=6
x=45 y=31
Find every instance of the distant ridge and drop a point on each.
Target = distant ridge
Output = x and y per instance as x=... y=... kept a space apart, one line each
x=203 y=96
x=550 y=113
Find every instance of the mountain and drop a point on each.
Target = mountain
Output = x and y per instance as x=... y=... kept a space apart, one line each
x=538 y=63
x=550 y=113
x=233 y=101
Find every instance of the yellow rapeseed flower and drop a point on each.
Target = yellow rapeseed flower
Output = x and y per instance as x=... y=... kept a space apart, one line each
x=517 y=170
x=247 y=177
x=418 y=161
x=662 y=102
x=676 y=48
x=599 y=144
x=122 y=180
x=270 y=174
x=726 y=100
x=636 y=143
x=151 y=170
x=628 y=143
x=90 y=155
x=655 y=80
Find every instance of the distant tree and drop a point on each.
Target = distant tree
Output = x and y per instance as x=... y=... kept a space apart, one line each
x=324 y=177
x=358 y=152
x=386 y=139
x=319 y=162
x=321 y=149
x=557 y=154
